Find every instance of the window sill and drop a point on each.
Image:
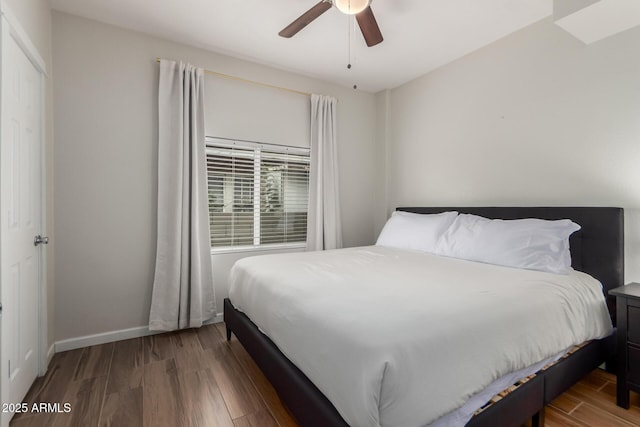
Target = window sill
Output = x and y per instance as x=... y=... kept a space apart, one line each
x=261 y=248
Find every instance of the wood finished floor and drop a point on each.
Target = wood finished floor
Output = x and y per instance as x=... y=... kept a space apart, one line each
x=196 y=378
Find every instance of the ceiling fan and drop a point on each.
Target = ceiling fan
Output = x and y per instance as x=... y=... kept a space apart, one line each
x=360 y=8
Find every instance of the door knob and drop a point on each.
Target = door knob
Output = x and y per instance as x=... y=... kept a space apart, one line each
x=39 y=240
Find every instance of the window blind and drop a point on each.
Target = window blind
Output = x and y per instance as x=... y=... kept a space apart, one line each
x=258 y=193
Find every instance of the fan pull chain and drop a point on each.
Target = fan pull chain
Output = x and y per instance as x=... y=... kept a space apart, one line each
x=349 y=40
x=349 y=21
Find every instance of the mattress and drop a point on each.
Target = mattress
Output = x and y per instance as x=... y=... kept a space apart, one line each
x=401 y=338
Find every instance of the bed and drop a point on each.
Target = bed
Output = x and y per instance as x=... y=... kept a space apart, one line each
x=596 y=249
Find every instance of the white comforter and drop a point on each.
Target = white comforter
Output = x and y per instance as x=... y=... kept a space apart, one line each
x=398 y=338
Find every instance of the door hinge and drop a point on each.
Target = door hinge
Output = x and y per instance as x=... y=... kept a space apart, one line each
x=39 y=240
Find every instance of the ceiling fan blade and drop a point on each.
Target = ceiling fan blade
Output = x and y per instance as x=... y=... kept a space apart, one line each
x=305 y=19
x=369 y=27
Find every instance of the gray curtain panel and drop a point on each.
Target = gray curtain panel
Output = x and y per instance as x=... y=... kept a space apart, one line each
x=324 y=227
x=183 y=292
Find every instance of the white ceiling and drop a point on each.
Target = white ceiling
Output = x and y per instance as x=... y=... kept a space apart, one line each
x=420 y=35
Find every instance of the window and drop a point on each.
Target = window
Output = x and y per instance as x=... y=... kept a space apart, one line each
x=258 y=194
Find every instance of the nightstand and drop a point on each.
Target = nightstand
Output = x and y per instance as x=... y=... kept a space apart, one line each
x=628 y=322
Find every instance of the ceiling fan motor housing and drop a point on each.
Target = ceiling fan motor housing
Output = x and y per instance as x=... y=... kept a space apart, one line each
x=351 y=7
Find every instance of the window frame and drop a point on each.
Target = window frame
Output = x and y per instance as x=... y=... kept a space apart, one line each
x=256 y=247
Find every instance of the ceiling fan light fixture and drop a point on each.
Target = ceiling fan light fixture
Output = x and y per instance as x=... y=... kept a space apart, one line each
x=351 y=7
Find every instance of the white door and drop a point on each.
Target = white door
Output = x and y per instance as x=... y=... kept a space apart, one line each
x=20 y=216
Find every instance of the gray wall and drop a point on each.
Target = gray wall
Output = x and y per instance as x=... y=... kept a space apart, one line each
x=536 y=118
x=35 y=18
x=105 y=193
x=237 y=110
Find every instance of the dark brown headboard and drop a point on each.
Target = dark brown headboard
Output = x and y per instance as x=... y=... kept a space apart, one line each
x=597 y=248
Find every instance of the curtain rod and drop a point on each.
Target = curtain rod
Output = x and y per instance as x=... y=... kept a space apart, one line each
x=253 y=82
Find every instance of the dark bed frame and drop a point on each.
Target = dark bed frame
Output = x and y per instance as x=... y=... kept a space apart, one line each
x=597 y=249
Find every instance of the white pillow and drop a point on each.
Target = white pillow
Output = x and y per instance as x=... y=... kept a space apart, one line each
x=420 y=232
x=531 y=243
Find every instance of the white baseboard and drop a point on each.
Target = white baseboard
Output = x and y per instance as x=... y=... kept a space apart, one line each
x=105 y=337
x=50 y=353
x=43 y=369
